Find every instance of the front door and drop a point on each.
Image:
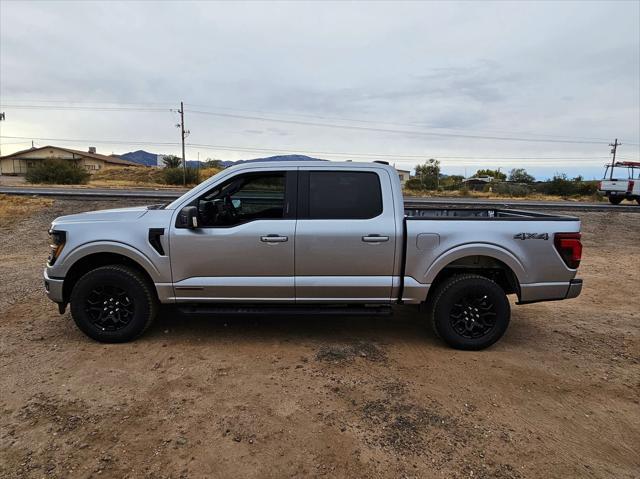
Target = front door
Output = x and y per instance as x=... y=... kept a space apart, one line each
x=243 y=249
x=345 y=236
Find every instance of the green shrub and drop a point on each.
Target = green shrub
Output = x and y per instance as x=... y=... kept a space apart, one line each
x=587 y=188
x=174 y=176
x=562 y=186
x=511 y=189
x=414 y=184
x=59 y=172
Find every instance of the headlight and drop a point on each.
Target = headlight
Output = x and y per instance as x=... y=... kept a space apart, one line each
x=58 y=239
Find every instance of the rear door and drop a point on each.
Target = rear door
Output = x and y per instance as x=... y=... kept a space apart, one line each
x=345 y=236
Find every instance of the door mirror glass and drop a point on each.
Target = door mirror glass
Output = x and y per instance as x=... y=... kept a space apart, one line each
x=188 y=217
x=237 y=204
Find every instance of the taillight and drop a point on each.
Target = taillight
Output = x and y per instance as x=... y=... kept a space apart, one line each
x=569 y=247
x=630 y=186
x=600 y=185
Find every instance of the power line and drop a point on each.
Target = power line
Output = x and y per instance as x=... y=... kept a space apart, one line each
x=385 y=130
x=212 y=110
x=556 y=139
x=83 y=108
x=95 y=102
x=355 y=155
x=413 y=124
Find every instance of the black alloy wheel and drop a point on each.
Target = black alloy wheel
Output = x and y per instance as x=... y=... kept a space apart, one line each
x=469 y=311
x=109 y=307
x=114 y=303
x=473 y=316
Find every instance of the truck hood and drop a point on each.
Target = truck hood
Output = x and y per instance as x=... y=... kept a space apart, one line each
x=118 y=214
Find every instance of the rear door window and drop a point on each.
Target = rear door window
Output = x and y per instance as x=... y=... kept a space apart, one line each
x=344 y=195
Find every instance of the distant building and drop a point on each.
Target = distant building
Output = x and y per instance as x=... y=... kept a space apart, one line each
x=404 y=175
x=19 y=162
x=477 y=183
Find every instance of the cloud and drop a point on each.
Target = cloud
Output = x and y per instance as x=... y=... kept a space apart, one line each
x=543 y=69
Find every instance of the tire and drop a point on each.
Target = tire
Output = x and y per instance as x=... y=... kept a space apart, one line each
x=615 y=200
x=113 y=304
x=638 y=200
x=469 y=312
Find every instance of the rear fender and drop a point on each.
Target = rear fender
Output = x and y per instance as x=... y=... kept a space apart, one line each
x=476 y=249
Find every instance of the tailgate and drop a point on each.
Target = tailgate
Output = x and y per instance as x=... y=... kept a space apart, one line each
x=614 y=185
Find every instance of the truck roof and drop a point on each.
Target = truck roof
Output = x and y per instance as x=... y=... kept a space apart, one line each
x=314 y=164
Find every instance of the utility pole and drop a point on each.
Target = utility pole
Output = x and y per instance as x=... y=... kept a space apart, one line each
x=2 y=117
x=615 y=146
x=184 y=161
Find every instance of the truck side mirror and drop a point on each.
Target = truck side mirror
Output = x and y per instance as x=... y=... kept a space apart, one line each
x=188 y=217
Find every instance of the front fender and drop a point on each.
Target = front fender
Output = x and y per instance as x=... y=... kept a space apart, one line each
x=476 y=249
x=65 y=263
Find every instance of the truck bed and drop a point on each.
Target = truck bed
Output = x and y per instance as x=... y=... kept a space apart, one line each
x=481 y=214
x=523 y=241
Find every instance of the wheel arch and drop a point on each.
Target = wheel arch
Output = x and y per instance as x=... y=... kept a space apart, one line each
x=94 y=260
x=489 y=261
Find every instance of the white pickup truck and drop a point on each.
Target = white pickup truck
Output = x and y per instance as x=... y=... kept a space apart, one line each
x=618 y=187
x=308 y=238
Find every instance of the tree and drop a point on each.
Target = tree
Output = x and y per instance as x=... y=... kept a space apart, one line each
x=495 y=174
x=520 y=175
x=172 y=161
x=428 y=174
x=450 y=182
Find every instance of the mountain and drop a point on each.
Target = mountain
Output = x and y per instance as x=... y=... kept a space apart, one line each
x=142 y=157
x=151 y=159
x=274 y=158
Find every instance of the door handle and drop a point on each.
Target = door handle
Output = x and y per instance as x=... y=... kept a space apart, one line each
x=375 y=239
x=274 y=239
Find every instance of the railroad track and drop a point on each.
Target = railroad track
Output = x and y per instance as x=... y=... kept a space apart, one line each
x=410 y=202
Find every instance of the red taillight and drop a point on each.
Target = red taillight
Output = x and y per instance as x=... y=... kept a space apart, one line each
x=569 y=247
x=600 y=185
x=630 y=186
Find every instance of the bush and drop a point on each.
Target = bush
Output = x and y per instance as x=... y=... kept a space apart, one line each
x=414 y=184
x=562 y=186
x=587 y=188
x=174 y=176
x=511 y=189
x=59 y=172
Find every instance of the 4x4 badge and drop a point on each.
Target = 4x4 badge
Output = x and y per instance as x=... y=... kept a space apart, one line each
x=525 y=236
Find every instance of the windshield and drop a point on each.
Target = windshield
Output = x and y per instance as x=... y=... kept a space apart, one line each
x=621 y=172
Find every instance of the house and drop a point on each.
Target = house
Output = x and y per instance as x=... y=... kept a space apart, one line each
x=404 y=175
x=477 y=183
x=19 y=162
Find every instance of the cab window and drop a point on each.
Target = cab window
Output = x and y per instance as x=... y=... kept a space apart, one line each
x=244 y=198
x=344 y=195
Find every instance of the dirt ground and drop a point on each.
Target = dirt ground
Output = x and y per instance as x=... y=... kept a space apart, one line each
x=558 y=396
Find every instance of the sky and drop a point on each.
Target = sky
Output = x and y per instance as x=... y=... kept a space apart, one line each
x=544 y=86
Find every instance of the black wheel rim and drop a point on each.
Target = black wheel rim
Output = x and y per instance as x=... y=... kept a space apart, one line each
x=110 y=308
x=474 y=316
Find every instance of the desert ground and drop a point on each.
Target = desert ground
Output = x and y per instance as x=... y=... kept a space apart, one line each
x=557 y=397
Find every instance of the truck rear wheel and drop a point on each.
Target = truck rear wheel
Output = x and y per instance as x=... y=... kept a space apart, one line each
x=469 y=312
x=113 y=304
x=615 y=200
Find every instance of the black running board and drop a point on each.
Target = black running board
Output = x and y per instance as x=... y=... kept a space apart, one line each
x=257 y=310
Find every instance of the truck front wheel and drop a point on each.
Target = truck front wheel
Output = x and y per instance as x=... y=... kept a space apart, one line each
x=113 y=304
x=469 y=311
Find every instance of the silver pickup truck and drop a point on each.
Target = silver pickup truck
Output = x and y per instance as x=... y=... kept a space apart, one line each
x=308 y=238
